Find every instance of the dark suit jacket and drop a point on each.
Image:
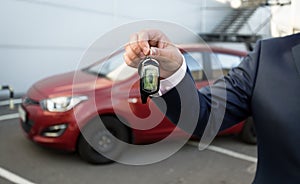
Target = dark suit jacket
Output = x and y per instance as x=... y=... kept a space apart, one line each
x=265 y=85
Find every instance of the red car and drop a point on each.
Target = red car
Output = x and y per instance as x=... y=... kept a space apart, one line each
x=47 y=111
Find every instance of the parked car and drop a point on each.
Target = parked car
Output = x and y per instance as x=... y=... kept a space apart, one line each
x=47 y=110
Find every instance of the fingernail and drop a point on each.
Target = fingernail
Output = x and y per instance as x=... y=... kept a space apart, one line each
x=153 y=51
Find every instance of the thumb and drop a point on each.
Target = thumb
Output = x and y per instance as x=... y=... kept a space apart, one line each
x=169 y=58
x=158 y=52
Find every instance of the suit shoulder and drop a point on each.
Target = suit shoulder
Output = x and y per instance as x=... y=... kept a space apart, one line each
x=286 y=41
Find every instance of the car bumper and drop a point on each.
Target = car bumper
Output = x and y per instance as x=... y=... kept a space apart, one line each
x=35 y=122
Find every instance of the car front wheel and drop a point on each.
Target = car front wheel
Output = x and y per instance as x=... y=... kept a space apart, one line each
x=100 y=145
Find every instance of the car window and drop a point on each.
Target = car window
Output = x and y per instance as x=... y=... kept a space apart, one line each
x=208 y=65
x=222 y=63
x=113 y=68
x=194 y=60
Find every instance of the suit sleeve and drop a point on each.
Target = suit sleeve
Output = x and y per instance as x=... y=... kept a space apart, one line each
x=228 y=100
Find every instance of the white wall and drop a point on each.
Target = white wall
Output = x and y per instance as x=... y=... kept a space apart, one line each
x=39 y=38
x=286 y=20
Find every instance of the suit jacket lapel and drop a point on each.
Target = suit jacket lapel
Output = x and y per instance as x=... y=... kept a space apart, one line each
x=296 y=55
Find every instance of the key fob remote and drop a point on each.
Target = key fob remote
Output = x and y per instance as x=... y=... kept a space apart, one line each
x=149 y=78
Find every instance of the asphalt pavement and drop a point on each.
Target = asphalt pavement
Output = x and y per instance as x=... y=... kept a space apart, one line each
x=227 y=161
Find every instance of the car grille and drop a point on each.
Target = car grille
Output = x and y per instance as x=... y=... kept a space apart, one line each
x=29 y=101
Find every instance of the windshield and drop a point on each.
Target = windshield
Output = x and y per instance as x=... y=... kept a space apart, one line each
x=114 y=68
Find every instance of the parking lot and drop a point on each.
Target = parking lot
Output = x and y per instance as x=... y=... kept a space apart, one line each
x=227 y=160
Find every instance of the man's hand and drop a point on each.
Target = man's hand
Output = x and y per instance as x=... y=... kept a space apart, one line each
x=153 y=43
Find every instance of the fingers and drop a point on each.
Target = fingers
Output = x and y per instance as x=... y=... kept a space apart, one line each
x=134 y=45
x=158 y=39
x=134 y=50
x=137 y=48
x=129 y=62
x=130 y=56
x=140 y=45
x=143 y=42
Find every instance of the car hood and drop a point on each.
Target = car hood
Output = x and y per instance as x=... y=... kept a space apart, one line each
x=76 y=82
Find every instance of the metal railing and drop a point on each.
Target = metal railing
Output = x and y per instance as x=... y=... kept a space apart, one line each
x=233 y=22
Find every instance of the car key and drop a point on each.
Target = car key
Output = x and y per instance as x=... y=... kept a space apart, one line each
x=149 y=78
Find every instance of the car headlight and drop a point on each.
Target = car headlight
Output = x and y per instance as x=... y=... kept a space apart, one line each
x=62 y=104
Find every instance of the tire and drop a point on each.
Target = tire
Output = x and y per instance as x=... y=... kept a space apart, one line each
x=97 y=141
x=248 y=133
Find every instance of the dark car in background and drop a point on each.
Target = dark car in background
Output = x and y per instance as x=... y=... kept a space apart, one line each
x=47 y=111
